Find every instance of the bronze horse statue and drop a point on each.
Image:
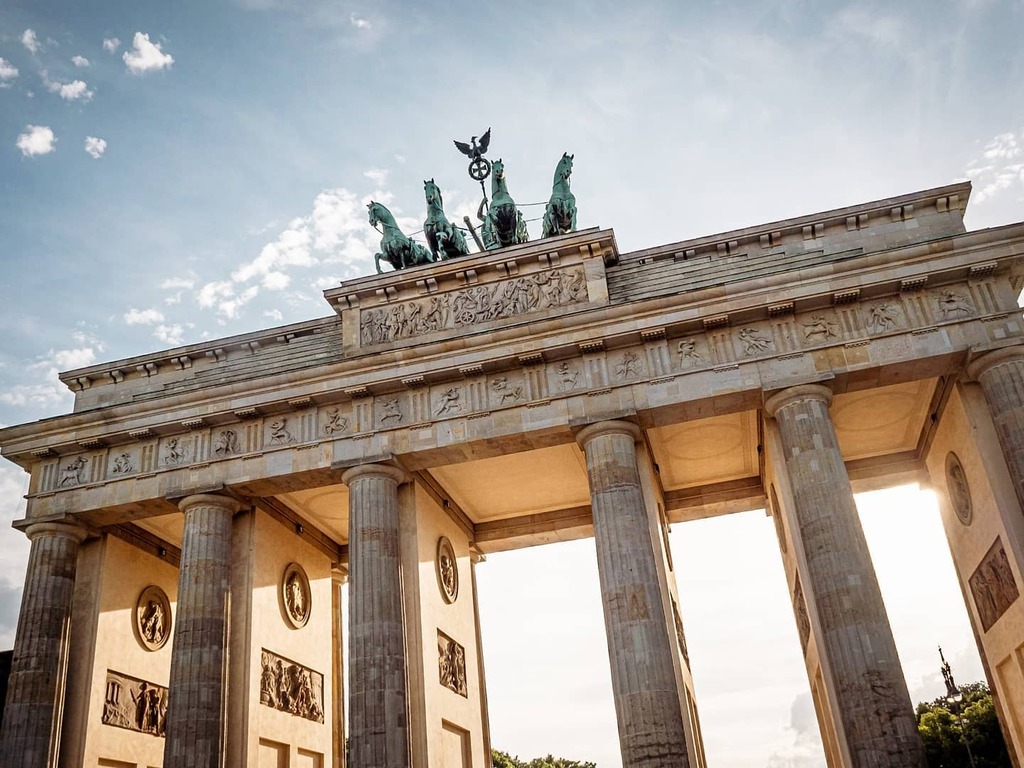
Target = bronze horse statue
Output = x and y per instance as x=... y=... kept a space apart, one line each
x=560 y=213
x=446 y=241
x=503 y=225
x=395 y=247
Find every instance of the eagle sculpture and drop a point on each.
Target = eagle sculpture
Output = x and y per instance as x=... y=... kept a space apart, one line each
x=474 y=150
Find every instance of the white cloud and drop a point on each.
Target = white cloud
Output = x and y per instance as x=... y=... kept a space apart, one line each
x=274 y=314
x=222 y=296
x=7 y=71
x=143 y=316
x=30 y=41
x=806 y=750
x=37 y=140
x=80 y=61
x=276 y=281
x=359 y=22
x=378 y=176
x=146 y=55
x=49 y=391
x=111 y=44
x=999 y=167
x=170 y=334
x=173 y=283
x=72 y=91
x=95 y=146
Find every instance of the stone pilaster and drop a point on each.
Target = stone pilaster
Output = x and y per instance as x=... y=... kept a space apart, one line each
x=339 y=577
x=1001 y=376
x=31 y=729
x=198 y=686
x=379 y=722
x=853 y=632
x=640 y=648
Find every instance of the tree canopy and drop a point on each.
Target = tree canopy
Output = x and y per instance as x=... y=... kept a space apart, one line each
x=504 y=760
x=940 y=730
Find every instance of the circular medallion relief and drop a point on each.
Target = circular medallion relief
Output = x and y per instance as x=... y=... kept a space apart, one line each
x=958 y=489
x=447 y=570
x=152 y=618
x=295 y=595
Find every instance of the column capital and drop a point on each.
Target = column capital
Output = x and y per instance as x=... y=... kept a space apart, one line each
x=67 y=528
x=602 y=428
x=988 y=360
x=209 y=500
x=400 y=476
x=339 y=575
x=773 y=403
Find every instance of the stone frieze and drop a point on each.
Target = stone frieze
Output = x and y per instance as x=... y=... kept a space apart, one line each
x=290 y=687
x=135 y=704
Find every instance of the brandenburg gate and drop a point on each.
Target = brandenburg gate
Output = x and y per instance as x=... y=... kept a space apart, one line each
x=193 y=519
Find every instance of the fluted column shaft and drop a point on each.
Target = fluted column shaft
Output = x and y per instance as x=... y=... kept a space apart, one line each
x=379 y=727
x=198 y=685
x=35 y=694
x=1001 y=376
x=855 y=636
x=640 y=650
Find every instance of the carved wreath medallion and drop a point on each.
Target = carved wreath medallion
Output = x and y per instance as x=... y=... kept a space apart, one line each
x=958 y=489
x=152 y=618
x=295 y=595
x=447 y=570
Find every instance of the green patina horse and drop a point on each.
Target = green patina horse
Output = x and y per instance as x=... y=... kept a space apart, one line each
x=504 y=223
x=446 y=241
x=560 y=213
x=395 y=248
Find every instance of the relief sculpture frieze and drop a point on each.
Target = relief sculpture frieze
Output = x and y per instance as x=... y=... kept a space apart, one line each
x=135 y=704
x=290 y=687
x=452 y=664
x=993 y=586
x=473 y=305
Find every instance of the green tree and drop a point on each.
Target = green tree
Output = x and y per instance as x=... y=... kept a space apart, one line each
x=940 y=730
x=504 y=760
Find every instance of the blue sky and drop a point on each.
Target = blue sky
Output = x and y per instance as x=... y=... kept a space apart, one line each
x=233 y=146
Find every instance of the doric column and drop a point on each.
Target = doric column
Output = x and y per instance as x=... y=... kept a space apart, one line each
x=640 y=649
x=379 y=722
x=198 y=686
x=854 y=634
x=1001 y=375
x=31 y=729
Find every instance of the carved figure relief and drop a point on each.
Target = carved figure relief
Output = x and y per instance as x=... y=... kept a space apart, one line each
x=336 y=423
x=680 y=636
x=134 y=704
x=820 y=328
x=447 y=570
x=506 y=392
x=958 y=489
x=803 y=620
x=569 y=377
x=290 y=687
x=451 y=664
x=449 y=402
x=953 y=305
x=993 y=586
x=390 y=410
x=688 y=354
x=123 y=464
x=175 y=453
x=226 y=443
x=152 y=618
x=628 y=366
x=883 y=317
x=754 y=341
x=279 y=432
x=295 y=595
x=476 y=304
x=73 y=473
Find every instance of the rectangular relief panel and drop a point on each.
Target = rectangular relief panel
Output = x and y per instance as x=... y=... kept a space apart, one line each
x=290 y=687
x=134 y=704
x=993 y=586
x=451 y=664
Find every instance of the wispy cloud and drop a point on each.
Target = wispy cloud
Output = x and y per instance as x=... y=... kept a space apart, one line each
x=48 y=391
x=80 y=61
x=95 y=147
x=146 y=56
x=359 y=22
x=36 y=140
x=172 y=334
x=806 y=750
x=143 y=316
x=7 y=72
x=30 y=41
x=999 y=167
x=111 y=44
x=76 y=90
x=174 y=283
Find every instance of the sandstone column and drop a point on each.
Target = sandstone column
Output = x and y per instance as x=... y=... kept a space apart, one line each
x=379 y=725
x=339 y=577
x=640 y=649
x=854 y=634
x=1001 y=375
x=198 y=686
x=32 y=718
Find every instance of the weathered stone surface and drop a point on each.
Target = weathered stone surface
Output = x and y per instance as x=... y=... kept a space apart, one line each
x=870 y=690
x=1001 y=375
x=379 y=730
x=29 y=735
x=647 y=703
x=198 y=685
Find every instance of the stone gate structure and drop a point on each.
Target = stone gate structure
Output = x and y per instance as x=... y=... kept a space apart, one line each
x=193 y=519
